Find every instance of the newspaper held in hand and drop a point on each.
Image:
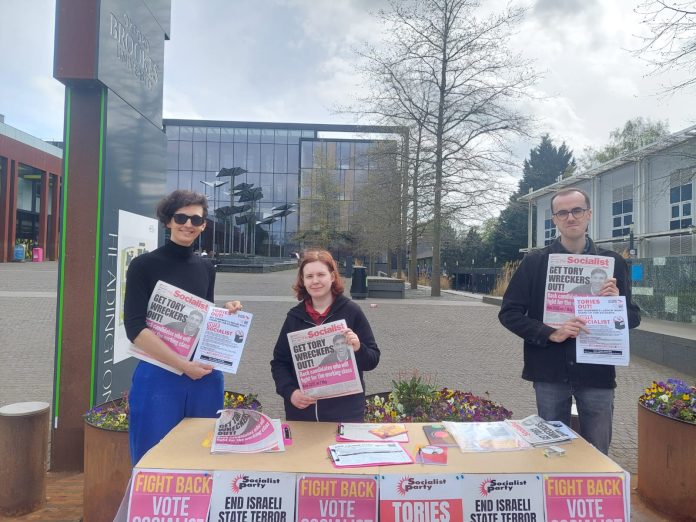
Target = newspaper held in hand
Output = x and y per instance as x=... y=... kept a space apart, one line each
x=537 y=431
x=188 y=323
x=608 y=341
x=222 y=341
x=176 y=317
x=245 y=431
x=324 y=362
x=569 y=275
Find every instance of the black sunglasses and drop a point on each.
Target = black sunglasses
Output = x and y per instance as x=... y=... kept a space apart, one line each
x=181 y=219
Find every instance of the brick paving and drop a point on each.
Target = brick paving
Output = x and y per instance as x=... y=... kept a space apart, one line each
x=455 y=340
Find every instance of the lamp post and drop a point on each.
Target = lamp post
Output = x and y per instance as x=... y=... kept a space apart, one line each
x=214 y=185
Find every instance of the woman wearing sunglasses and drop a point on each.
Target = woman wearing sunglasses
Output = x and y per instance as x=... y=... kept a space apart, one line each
x=160 y=399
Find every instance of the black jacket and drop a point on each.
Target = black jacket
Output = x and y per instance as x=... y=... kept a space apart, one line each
x=337 y=409
x=522 y=313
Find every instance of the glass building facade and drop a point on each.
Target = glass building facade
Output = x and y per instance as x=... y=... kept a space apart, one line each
x=283 y=159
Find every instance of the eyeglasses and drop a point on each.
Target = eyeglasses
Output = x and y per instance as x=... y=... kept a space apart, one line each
x=577 y=212
x=181 y=219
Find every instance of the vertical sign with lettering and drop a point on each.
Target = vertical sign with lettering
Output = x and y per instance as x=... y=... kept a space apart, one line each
x=242 y=496
x=503 y=498
x=421 y=498
x=599 y=498
x=169 y=495
x=348 y=498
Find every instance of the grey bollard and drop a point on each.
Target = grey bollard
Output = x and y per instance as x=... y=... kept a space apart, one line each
x=23 y=453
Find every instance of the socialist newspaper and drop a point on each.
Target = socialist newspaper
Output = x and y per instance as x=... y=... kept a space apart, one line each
x=606 y=319
x=182 y=319
x=324 y=363
x=569 y=275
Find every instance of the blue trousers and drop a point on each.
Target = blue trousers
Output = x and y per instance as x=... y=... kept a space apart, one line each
x=159 y=400
x=595 y=409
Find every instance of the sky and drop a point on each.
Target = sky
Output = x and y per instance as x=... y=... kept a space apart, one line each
x=293 y=61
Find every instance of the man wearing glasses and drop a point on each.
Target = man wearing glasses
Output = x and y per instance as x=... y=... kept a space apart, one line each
x=549 y=353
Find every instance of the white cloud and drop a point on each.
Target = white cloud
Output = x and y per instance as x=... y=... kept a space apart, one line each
x=291 y=60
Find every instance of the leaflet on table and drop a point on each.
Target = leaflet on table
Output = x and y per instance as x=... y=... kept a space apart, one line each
x=435 y=455
x=351 y=454
x=223 y=339
x=324 y=361
x=485 y=436
x=537 y=431
x=438 y=435
x=607 y=321
x=569 y=275
x=176 y=317
x=359 y=432
x=246 y=431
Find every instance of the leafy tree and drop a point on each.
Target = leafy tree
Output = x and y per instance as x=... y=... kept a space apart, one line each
x=671 y=44
x=636 y=133
x=545 y=163
x=377 y=224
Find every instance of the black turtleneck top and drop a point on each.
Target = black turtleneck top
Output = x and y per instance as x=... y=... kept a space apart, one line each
x=173 y=264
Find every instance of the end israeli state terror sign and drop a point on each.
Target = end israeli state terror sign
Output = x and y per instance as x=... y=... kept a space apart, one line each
x=420 y=498
x=503 y=498
x=243 y=496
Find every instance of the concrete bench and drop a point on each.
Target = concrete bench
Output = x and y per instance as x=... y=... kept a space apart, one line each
x=386 y=287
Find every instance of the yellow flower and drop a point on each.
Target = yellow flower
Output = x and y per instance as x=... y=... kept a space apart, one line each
x=685 y=397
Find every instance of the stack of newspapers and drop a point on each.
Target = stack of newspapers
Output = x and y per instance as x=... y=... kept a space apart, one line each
x=537 y=432
x=246 y=431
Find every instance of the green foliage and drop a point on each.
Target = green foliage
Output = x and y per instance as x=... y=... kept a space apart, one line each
x=546 y=162
x=414 y=400
x=636 y=133
x=413 y=394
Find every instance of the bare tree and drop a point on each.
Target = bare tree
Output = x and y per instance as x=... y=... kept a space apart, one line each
x=451 y=73
x=672 y=43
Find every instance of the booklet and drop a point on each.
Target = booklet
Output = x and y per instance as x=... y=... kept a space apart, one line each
x=569 y=275
x=351 y=454
x=324 y=361
x=246 y=431
x=607 y=320
x=180 y=319
x=438 y=435
x=485 y=436
x=350 y=431
x=536 y=431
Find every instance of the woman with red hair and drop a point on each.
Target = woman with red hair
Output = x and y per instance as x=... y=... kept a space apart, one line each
x=319 y=289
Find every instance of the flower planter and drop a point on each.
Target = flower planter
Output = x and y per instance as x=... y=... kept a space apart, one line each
x=667 y=464
x=107 y=470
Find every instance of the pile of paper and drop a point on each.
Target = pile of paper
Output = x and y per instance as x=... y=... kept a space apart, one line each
x=246 y=431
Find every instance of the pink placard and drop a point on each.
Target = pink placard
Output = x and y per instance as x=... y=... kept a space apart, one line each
x=337 y=497
x=599 y=498
x=165 y=495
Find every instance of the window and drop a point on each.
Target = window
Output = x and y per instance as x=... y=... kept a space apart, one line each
x=549 y=228
x=622 y=211
x=681 y=199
